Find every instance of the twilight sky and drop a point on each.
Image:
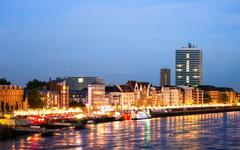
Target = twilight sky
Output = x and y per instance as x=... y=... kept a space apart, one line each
x=117 y=39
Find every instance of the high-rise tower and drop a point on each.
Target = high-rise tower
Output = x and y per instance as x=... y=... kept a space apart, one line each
x=165 y=77
x=189 y=66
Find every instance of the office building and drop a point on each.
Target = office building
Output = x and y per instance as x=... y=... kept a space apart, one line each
x=165 y=77
x=189 y=66
x=79 y=83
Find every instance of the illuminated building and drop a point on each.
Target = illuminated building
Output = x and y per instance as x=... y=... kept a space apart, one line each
x=198 y=96
x=12 y=98
x=192 y=95
x=120 y=96
x=238 y=97
x=171 y=96
x=219 y=94
x=153 y=96
x=113 y=94
x=141 y=91
x=51 y=99
x=62 y=88
x=230 y=94
x=78 y=95
x=189 y=66
x=96 y=96
x=165 y=77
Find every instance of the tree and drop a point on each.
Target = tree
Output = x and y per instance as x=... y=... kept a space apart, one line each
x=35 y=84
x=207 y=98
x=224 y=98
x=3 y=81
x=34 y=97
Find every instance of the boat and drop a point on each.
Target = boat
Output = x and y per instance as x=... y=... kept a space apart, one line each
x=26 y=121
x=56 y=122
x=126 y=116
x=139 y=115
x=118 y=116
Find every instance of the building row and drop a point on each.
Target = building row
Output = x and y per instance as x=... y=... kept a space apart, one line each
x=216 y=95
x=96 y=95
x=140 y=94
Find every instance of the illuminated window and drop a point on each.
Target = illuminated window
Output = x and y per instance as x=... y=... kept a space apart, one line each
x=187 y=79
x=179 y=70
x=195 y=70
x=179 y=65
x=187 y=66
x=187 y=56
x=80 y=80
x=195 y=77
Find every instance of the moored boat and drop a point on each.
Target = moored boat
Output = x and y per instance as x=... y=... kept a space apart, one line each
x=66 y=121
x=139 y=115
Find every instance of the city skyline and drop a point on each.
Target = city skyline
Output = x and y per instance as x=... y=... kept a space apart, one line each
x=83 y=38
x=119 y=74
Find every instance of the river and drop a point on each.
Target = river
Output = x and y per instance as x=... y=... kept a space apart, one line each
x=205 y=131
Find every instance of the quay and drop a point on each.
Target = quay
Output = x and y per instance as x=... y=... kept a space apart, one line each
x=192 y=111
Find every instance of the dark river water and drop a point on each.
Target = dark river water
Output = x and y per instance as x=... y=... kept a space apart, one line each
x=207 y=131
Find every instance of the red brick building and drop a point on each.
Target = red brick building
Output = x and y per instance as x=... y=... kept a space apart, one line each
x=12 y=98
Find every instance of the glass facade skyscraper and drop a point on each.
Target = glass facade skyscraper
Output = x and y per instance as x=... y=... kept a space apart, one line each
x=189 y=66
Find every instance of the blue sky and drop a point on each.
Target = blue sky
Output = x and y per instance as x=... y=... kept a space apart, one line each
x=117 y=39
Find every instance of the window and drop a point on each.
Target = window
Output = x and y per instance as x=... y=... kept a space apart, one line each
x=179 y=77
x=195 y=70
x=187 y=79
x=187 y=66
x=80 y=80
x=179 y=70
x=179 y=65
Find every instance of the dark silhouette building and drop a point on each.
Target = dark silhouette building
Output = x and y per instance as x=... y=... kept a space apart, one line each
x=165 y=77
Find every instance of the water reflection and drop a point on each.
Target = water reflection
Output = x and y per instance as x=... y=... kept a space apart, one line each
x=207 y=131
